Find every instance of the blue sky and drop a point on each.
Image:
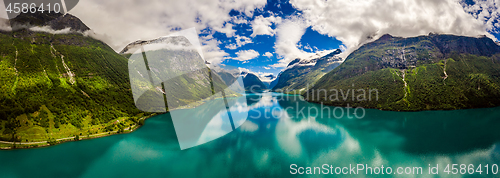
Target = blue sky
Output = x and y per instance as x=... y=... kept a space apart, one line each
x=264 y=35
x=311 y=40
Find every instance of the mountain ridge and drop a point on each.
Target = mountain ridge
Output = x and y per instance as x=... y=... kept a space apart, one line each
x=56 y=21
x=252 y=82
x=301 y=73
x=417 y=73
x=61 y=85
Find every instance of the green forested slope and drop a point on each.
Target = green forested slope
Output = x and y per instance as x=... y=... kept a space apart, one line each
x=55 y=83
x=419 y=73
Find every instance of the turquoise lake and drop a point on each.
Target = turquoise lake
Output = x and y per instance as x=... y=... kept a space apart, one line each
x=267 y=145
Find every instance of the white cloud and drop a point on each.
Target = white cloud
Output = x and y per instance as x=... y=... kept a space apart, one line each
x=268 y=54
x=245 y=55
x=486 y=11
x=288 y=34
x=231 y=46
x=239 y=20
x=267 y=68
x=342 y=48
x=126 y=21
x=211 y=51
x=263 y=76
x=357 y=22
x=48 y=29
x=240 y=41
x=262 y=25
x=308 y=47
x=5 y=24
x=227 y=29
x=244 y=69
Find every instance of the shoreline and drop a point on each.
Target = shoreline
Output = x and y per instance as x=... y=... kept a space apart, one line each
x=405 y=111
x=7 y=145
x=382 y=109
x=41 y=144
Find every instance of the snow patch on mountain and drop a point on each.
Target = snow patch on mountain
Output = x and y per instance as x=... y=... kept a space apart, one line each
x=263 y=76
x=330 y=55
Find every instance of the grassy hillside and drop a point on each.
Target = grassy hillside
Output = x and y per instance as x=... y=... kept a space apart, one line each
x=61 y=85
x=420 y=73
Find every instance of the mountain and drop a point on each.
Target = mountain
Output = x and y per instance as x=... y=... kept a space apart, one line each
x=60 y=85
x=302 y=72
x=55 y=21
x=418 y=73
x=181 y=75
x=268 y=79
x=252 y=82
x=136 y=45
x=274 y=82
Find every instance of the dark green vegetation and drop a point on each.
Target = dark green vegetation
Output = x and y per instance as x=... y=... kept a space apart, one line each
x=398 y=138
x=69 y=86
x=55 y=86
x=306 y=72
x=420 y=73
x=253 y=83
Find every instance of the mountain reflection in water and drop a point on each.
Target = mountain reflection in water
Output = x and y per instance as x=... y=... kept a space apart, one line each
x=270 y=140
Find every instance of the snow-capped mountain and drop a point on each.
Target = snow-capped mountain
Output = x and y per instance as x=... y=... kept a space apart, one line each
x=302 y=72
x=253 y=82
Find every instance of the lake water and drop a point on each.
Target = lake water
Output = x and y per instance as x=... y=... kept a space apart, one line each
x=267 y=145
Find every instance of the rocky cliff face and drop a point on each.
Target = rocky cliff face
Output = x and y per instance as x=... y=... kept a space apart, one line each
x=418 y=73
x=56 y=21
x=404 y=53
x=68 y=21
x=268 y=80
